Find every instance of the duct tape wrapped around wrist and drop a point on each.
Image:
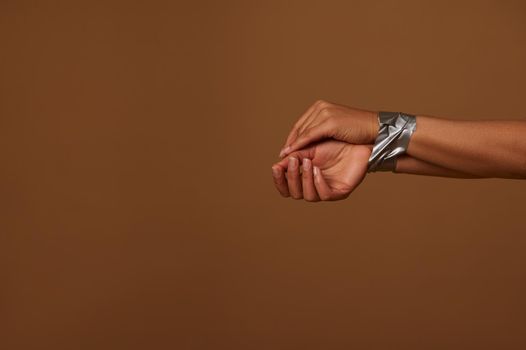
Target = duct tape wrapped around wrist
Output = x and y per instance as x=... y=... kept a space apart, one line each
x=393 y=138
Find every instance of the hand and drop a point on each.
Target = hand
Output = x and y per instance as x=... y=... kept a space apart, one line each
x=328 y=120
x=331 y=171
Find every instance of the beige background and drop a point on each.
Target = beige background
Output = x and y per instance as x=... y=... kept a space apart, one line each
x=137 y=206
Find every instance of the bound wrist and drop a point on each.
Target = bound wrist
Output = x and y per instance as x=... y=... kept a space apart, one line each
x=374 y=127
x=393 y=138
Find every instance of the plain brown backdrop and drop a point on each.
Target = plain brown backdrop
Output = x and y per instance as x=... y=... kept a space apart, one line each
x=137 y=206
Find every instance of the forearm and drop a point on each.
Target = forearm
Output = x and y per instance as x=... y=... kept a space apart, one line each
x=413 y=166
x=479 y=148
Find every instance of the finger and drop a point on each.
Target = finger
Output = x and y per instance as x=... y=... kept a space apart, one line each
x=293 y=134
x=294 y=131
x=301 y=119
x=316 y=117
x=323 y=189
x=305 y=122
x=313 y=134
x=309 y=190
x=302 y=153
x=278 y=174
x=293 y=178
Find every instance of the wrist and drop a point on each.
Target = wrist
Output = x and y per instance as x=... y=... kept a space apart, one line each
x=394 y=134
x=374 y=127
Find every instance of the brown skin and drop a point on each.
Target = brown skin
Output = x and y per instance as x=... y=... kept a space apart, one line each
x=341 y=167
x=438 y=147
x=329 y=171
x=324 y=120
x=482 y=148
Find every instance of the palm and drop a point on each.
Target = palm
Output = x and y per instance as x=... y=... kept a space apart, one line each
x=343 y=165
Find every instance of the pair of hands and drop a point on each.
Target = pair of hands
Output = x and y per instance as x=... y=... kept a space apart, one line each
x=326 y=153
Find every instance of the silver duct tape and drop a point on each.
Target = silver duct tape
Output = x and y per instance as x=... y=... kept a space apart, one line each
x=393 y=138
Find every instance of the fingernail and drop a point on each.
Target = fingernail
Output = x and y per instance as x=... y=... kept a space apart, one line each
x=293 y=163
x=284 y=151
x=316 y=171
x=306 y=164
x=275 y=172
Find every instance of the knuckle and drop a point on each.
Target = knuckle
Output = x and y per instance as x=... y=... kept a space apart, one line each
x=320 y=103
x=325 y=112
